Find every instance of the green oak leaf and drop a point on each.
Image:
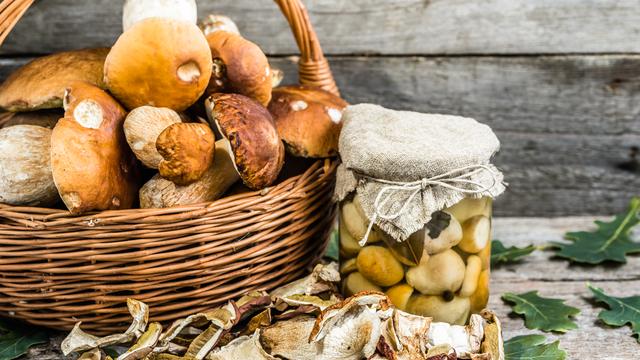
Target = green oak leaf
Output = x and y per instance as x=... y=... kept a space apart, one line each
x=530 y=347
x=541 y=313
x=621 y=311
x=501 y=254
x=16 y=338
x=610 y=242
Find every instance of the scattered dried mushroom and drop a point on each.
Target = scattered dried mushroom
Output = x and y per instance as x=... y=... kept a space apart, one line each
x=302 y=320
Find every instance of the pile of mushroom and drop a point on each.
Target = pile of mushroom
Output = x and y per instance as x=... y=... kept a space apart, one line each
x=302 y=320
x=116 y=128
x=441 y=271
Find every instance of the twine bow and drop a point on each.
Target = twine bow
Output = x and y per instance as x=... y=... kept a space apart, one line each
x=449 y=180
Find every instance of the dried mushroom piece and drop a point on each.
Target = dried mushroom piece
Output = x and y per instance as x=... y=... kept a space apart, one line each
x=493 y=343
x=289 y=339
x=322 y=278
x=145 y=344
x=242 y=348
x=80 y=341
x=41 y=83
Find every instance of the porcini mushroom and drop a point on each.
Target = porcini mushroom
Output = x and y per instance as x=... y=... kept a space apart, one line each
x=218 y=22
x=135 y=11
x=437 y=274
x=355 y=221
x=242 y=67
x=441 y=233
x=471 y=276
x=470 y=207
x=25 y=166
x=455 y=311
x=399 y=295
x=187 y=150
x=477 y=232
x=355 y=283
x=258 y=152
x=162 y=193
x=172 y=64
x=43 y=118
x=92 y=165
x=41 y=83
x=142 y=127
x=308 y=120
x=377 y=264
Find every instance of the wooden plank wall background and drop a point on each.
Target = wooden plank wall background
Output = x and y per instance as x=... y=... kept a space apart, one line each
x=558 y=80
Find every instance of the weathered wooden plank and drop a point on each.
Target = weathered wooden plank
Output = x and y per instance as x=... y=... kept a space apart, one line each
x=371 y=26
x=568 y=124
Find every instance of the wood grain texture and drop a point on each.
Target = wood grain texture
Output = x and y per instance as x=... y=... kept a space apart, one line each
x=568 y=124
x=371 y=26
x=552 y=278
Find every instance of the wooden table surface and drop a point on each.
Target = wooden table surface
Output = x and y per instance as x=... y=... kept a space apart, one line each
x=552 y=278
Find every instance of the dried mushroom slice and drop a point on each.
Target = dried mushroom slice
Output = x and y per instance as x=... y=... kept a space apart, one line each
x=290 y=339
x=492 y=343
x=242 y=348
x=406 y=335
x=41 y=83
x=322 y=278
x=80 y=341
x=145 y=344
x=464 y=339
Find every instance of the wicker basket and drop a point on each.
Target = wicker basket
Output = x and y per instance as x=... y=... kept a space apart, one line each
x=57 y=269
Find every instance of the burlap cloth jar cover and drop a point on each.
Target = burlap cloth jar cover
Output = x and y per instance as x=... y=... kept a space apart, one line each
x=406 y=165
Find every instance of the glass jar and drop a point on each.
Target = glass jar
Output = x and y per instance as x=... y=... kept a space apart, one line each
x=441 y=271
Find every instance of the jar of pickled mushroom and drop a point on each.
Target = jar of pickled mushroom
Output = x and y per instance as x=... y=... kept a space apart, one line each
x=415 y=193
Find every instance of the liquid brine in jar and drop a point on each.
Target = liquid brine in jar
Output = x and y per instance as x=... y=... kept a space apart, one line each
x=441 y=270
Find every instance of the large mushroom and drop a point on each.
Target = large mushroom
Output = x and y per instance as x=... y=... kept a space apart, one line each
x=257 y=150
x=41 y=83
x=308 y=120
x=250 y=150
x=240 y=67
x=25 y=166
x=135 y=11
x=172 y=64
x=92 y=165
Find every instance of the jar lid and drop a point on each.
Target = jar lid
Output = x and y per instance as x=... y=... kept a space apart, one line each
x=407 y=165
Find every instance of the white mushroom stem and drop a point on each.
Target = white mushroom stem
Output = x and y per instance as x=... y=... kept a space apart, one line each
x=136 y=10
x=162 y=193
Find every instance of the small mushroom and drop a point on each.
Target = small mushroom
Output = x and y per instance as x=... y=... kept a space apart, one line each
x=455 y=311
x=308 y=120
x=399 y=295
x=142 y=127
x=258 y=152
x=242 y=67
x=41 y=83
x=485 y=256
x=377 y=264
x=25 y=166
x=135 y=11
x=349 y=246
x=187 y=150
x=476 y=233
x=441 y=233
x=175 y=80
x=92 y=165
x=356 y=223
x=162 y=193
x=42 y=118
x=218 y=22
x=480 y=297
x=348 y=266
x=471 y=276
x=470 y=207
x=437 y=274
x=356 y=283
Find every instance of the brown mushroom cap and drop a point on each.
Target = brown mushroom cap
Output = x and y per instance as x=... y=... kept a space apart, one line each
x=43 y=118
x=256 y=147
x=246 y=68
x=159 y=62
x=40 y=84
x=308 y=120
x=92 y=165
x=187 y=150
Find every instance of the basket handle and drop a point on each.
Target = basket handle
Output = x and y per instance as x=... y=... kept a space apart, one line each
x=313 y=68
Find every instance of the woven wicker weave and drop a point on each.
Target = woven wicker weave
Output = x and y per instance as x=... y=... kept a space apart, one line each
x=57 y=269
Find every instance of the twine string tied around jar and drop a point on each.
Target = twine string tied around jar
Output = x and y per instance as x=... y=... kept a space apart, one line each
x=452 y=180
